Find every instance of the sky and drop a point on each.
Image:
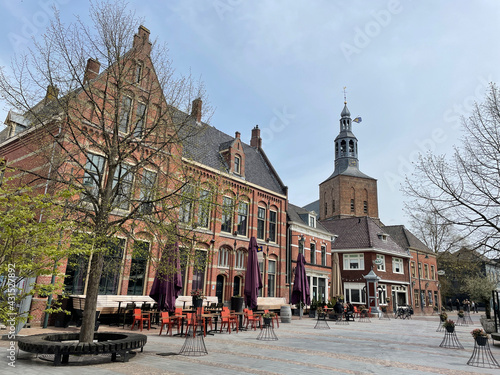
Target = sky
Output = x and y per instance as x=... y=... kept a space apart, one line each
x=410 y=69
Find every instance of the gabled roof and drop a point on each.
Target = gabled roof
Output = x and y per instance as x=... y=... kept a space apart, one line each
x=203 y=147
x=294 y=214
x=361 y=233
x=313 y=206
x=406 y=239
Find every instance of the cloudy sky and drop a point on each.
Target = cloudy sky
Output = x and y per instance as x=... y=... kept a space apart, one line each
x=411 y=69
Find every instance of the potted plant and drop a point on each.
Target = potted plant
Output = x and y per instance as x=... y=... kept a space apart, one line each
x=237 y=303
x=267 y=317
x=443 y=316
x=461 y=314
x=449 y=325
x=480 y=336
x=197 y=295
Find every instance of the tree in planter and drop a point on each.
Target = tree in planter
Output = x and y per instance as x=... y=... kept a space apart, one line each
x=113 y=133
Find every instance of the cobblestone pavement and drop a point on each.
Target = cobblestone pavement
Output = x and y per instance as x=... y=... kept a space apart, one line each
x=381 y=347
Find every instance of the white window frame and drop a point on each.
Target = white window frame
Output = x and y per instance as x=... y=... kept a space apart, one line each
x=272 y=225
x=381 y=267
x=397 y=265
x=124 y=119
x=242 y=223
x=126 y=183
x=223 y=259
x=348 y=287
x=261 y=221
x=237 y=164
x=382 y=296
x=239 y=260
x=352 y=259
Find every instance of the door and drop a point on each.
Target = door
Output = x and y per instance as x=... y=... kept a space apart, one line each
x=219 y=288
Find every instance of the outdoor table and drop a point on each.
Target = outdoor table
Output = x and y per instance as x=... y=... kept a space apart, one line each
x=240 y=319
x=181 y=318
x=215 y=316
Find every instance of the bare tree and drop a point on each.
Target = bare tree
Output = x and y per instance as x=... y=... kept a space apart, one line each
x=464 y=190
x=111 y=127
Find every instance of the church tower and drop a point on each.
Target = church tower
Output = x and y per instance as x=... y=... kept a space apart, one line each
x=347 y=192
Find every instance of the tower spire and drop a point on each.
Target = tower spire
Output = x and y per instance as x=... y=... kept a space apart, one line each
x=345 y=98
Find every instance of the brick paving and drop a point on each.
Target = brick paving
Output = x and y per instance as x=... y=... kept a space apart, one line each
x=380 y=347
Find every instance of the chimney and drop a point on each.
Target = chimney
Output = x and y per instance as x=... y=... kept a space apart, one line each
x=196 y=109
x=141 y=40
x=237 y=135
x=256 y=140
x=52 y=93
x=92 y=70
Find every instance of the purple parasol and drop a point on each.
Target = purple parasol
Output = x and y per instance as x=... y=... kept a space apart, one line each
x=253 y=281
x=300 y=292
x=166 y=288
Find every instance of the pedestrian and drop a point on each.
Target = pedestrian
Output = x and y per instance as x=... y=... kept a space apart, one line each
x=473 y=306
x=457 y=304
x=450 y=304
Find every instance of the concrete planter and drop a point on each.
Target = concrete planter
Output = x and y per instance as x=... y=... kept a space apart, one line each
x=488 y=324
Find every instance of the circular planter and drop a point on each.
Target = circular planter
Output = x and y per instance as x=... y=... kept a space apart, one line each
x=450 y=329
x=66 y=344
x=267 y=321
x=481 y=340
x=197 y=302
x=237 y=304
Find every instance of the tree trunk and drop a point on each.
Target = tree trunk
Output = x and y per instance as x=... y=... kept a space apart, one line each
x=88 y=323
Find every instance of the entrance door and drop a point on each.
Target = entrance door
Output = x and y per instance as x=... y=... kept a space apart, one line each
x=401 y=298
x=219 y=289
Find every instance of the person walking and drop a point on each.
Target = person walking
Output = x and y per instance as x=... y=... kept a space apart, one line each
x=473 y=306
x=457 y=304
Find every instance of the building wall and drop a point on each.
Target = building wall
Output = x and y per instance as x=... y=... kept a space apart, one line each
x=428 y=283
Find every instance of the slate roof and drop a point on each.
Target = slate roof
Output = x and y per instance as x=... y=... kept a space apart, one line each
x=203 y=147
x=313 y=206
x=293 y=214
x=348 y=171
x=405 y=238
x=361 y=233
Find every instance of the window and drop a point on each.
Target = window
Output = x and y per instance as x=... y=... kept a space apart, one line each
x=323 y=255
x=111 y=269
x=261 y=269
x=239 y=260
x=138 y=268
x=125 y=114
x=365 y=207
x=19 y=129
x=397 y=265
x=313 y=253
x=419 y=269
x=93 y=173
x=237 y=286
x=413 y=274
x=352 y=205
x=199 y=271
x=416 y=299
x=261 y=221
x=326 y=208
x=237 y=165
x=147 y=193
x=138 y=72
x=223 y=257
x=227 y=215
x=381 y=266
x=333 y=205
x=122 y=181
x=354 y=262
x=312 y=221
x=140 y=119
x=242 y=218
x=272 y=226
x=271 y=278
x=186 y=205
x=204 y=209
x=433 y=273
x=426 y=271
x=382 y=294
x=355 y=292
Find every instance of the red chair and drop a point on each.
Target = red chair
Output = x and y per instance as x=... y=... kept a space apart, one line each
x=227 y=320
x=193 y=320
x=141 y=317
x=252 y=320
x=166 y=321
x=356 y=312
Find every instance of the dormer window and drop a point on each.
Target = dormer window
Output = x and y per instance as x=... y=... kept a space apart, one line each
x=312 y=221
x=237 y=165
x=382 y=236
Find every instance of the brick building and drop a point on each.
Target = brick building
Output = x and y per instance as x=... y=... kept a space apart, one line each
x=249 y=198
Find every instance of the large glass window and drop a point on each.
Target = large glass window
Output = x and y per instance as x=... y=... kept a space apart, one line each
x=272 y=226
x=227 y=215
x=223 y=257
x=354 y=262
x=138 y=266
x=186 y=206
x=239 y=260
x=199 y=270
x=125 y=114
x=323 y=255
x=426 y=271
x=261 y=223
x=382 y=294
x=76 y=274
x=312 y=247
x=355 y=292
x=433 y=272
x=111 y=270
x=204 y=209
x=413 y=272
x=237 y=165
x=93 y=173
x=140 y=119
x=242 y=218
x=123 y=179
x=271 y=278
x=147 y=191
x=397 y=265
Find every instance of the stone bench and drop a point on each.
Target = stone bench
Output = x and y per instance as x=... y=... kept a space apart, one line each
x=62 y=345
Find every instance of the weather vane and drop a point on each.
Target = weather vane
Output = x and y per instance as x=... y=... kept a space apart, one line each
x=345 y=99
